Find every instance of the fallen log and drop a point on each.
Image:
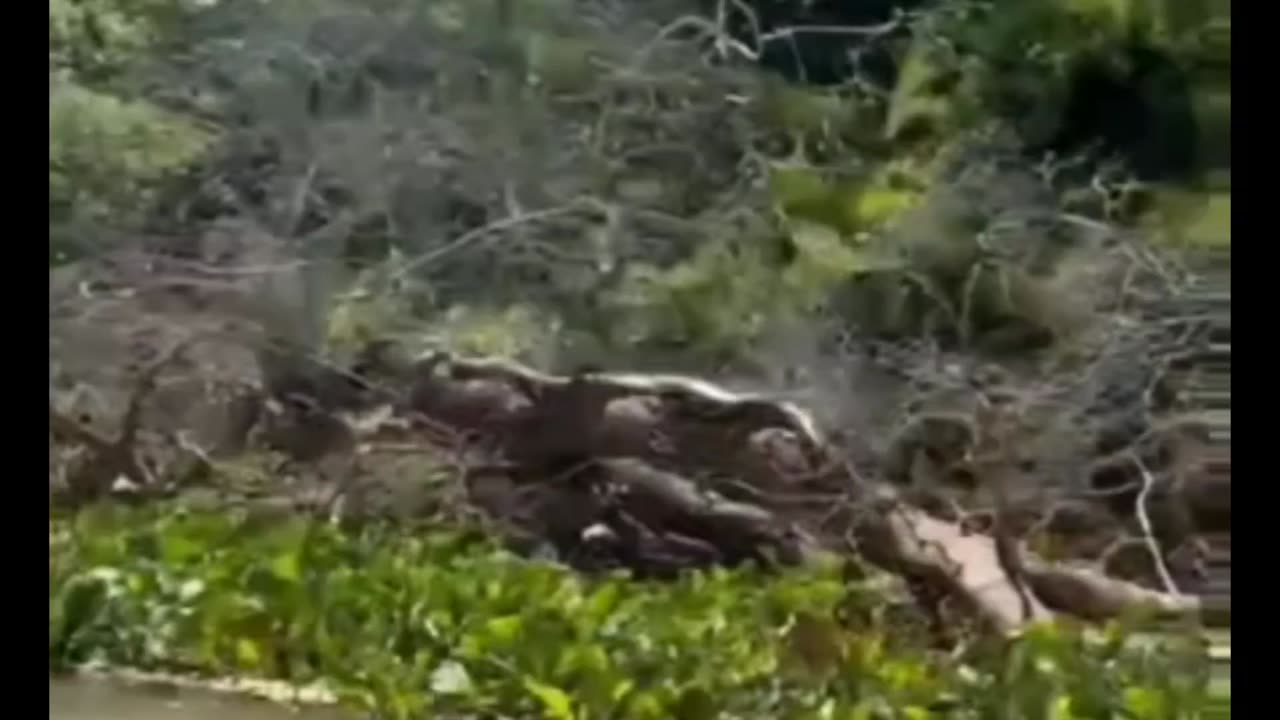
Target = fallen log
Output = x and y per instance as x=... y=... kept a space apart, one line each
x=903 y=539
x=629 y=462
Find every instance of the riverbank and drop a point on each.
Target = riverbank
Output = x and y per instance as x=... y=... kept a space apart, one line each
x=123 y=694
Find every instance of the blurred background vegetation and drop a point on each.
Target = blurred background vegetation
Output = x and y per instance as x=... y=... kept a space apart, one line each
x=722 y=187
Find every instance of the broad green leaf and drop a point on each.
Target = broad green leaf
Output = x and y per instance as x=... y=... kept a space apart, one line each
x=505 y=629
x=621 y=690
x=1060 y=708
x=796 y=186
x=1146 y=704
x=287 y=566
x=824 y=253
x=603 y=601
x=248 y=653
x=876 y=207
x=177 y=549
x=647 y=706
x=913 y=102
x=557 y=704
x=589 y=658
x=80 y=602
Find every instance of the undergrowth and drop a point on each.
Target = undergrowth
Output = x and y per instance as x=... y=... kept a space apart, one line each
x=440 y=623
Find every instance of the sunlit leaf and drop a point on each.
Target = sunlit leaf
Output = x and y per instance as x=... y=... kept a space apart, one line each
x=557 y=704
x=914 y=104
x=587 y=658
x=796 y=186
x=621 y=690
x=1060 y=709
x=826 y=254
x=1146 y=704
x=191 y=589
x=178 y=549
x=451 y=678
x=878 y=206
x=647 y=706
x=505 y=629
x=288 y=566
x=603 y=601
x=248 y=653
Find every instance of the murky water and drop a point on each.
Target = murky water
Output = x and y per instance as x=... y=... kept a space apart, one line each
x=99 y=699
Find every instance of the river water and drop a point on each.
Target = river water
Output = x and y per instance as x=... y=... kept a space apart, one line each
x=84 y=698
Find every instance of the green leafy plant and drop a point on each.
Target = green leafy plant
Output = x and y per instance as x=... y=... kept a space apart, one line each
x=444 y=623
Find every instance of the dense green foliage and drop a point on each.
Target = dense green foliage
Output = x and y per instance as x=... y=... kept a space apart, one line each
x=444 y=624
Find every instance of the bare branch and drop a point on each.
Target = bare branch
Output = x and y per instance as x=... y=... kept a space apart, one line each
x=1144 y=520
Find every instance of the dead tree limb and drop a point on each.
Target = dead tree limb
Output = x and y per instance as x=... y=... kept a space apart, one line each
x=113 y=458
